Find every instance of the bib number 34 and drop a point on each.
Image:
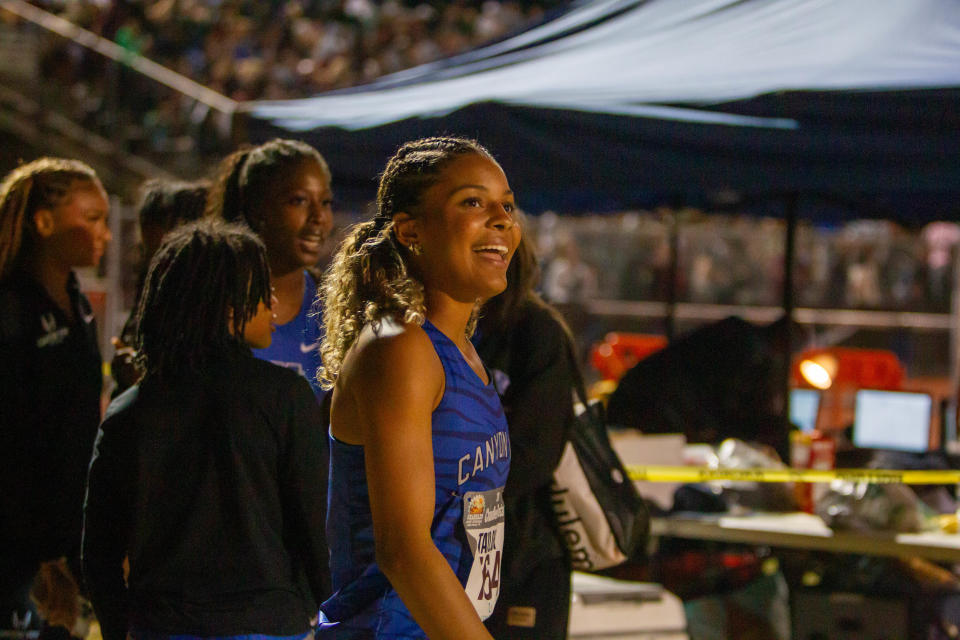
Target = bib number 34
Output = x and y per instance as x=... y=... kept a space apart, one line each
x=483 y=522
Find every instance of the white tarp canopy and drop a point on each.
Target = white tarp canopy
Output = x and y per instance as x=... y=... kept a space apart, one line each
x=645 y=58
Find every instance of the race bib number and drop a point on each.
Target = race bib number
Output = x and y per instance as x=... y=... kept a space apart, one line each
x=483 y=521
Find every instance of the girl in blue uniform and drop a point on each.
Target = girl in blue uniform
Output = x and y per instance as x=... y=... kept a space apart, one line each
x=419 y=443
x=281 y=189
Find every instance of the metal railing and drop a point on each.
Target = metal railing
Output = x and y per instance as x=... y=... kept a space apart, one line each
x=767 y=314
x=132 y=88
x=115 y=52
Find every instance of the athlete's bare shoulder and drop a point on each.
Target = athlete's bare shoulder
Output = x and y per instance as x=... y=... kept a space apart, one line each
x=390 y=354
x=393 y=343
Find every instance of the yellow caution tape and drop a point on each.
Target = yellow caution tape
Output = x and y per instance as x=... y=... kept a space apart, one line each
x=654 y=473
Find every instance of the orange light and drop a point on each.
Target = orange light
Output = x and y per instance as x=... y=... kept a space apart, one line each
x=819 y=371
x=848 y=368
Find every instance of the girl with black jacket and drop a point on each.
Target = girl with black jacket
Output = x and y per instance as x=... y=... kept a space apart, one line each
x=53 y=220
x=526 y=345
x=210 y=474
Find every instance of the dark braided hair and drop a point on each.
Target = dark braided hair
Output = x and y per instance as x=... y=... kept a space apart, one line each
x=41 y=184
x=246 y=175
x=167 y=203
x=414 y=168
x=207 y=278
x=163 y=205
x=368 y=279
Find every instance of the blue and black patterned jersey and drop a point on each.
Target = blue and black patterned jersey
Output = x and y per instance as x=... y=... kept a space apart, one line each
x=471 y=453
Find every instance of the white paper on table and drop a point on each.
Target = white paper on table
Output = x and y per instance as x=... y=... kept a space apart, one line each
x=798 y=523
x=635 y=448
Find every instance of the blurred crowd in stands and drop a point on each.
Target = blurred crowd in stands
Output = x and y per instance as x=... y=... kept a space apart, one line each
x=593 y=264
x=282 y=49
x=739 y=260
x=246 y=50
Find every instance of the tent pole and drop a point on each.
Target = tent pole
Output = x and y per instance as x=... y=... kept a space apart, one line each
x=791 y=204
x=952 y=399
x=670 y=322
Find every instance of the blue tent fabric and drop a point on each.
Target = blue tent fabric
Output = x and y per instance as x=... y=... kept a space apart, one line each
x=616 y=104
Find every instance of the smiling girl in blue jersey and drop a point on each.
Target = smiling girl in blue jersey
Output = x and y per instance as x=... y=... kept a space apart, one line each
x=281 y=190
x=419 y=443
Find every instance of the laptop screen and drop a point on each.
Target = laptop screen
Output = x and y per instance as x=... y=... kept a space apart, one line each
x=804 y=405
x=893 y=420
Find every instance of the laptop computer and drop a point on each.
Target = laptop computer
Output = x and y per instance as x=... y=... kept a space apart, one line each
x=893 y=420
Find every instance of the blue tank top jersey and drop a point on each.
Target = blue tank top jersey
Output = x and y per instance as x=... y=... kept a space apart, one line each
x=296 y=344
x=471 y=457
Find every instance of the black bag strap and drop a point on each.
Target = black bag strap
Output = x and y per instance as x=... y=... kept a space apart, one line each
x=625 y=510
x=578 y=384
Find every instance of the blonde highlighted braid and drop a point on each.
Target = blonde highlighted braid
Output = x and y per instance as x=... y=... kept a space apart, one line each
x=367 y=282
x=40 y=184
x=369 y=279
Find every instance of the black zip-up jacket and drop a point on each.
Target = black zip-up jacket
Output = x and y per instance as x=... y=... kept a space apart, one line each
x=215 y=487
x=50 y=383
x=532 y=351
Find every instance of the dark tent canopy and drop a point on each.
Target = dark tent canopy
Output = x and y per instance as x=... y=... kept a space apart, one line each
x=851 y=105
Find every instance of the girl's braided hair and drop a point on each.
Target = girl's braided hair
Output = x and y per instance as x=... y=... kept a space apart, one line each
x=245 y=176
x=368 y=279
x=41 y=184
x=204 y=283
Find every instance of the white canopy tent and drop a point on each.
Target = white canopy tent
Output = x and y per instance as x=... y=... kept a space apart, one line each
x=631 y=58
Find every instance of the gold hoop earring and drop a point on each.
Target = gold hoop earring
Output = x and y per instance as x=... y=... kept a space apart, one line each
x=415 y=248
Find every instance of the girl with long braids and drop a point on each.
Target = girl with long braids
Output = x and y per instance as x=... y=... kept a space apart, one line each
x=53 y=219
x=418 y=441
x=281 y=189
x=210 y=473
